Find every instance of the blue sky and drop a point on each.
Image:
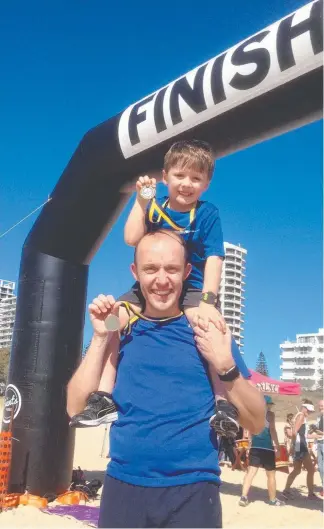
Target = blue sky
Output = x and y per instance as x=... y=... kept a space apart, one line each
x=67 y=66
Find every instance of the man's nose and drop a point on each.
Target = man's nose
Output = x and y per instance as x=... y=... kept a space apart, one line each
x=162 y=277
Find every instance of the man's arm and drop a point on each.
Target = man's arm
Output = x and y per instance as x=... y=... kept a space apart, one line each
x=135 y=227
x=87 y=376
x=248 y=401
x=273 y=431
x=216 y=348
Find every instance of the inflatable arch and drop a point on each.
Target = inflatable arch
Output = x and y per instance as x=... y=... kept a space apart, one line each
x=268 y=84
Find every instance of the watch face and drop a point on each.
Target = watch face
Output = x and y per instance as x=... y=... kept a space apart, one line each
x=147 y=192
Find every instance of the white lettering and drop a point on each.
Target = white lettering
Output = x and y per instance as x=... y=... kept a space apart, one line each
x=284 y=51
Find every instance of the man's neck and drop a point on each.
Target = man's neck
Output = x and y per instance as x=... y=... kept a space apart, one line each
x=150 y=312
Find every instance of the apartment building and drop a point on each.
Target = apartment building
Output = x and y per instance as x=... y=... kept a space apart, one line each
x=7 y=312
x=232 y=290
x=302 y=360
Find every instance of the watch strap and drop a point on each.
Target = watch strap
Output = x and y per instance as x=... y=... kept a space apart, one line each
x=230 y=375
x=209 y=298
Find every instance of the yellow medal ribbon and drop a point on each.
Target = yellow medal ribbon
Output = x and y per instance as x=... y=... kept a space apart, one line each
x=155 y=208
x=138 y=315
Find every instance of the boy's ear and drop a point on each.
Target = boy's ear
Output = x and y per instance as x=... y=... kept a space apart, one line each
x=134 y=271
x=164 y=177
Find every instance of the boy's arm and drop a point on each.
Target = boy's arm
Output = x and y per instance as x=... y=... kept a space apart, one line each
x=135 y=227
x=213 y=274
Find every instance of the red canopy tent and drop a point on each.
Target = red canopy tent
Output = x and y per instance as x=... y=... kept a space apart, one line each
x=274 y=387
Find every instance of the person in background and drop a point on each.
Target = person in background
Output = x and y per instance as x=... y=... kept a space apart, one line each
x=300 y=453
x=264 y=448
x=318 y=434
x=288 y=431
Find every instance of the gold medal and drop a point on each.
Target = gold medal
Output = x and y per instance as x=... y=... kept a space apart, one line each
x=112 y=323
x=147 y=192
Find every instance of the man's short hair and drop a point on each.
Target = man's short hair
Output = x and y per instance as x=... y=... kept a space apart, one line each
x=195 y=154
x=169 y=233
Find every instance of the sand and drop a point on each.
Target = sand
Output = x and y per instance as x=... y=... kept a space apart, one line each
x=299 y=513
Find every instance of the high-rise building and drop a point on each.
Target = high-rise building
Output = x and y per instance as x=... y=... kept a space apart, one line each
x=302 y=360
x=7 y=312
x=232 y=291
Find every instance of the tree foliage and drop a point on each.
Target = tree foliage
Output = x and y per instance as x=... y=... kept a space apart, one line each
x=261 y=365
x=4 y=363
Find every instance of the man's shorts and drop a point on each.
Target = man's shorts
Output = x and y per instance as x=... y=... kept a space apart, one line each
x=301 y=454
x=193 y=505
x=259 y=457
x=190 y=297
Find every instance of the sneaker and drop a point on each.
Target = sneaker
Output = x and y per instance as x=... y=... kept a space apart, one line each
x=313 y=497
x=244 y=502
x=276 y=503
x=224 y=425
x=287 y=494
x=100 y=409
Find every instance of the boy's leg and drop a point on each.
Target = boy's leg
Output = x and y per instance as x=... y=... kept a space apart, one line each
x=224 y=422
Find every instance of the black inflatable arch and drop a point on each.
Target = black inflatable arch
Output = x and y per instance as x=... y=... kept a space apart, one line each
x=262 y=87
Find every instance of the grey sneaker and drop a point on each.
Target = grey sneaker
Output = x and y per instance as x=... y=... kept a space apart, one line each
x=276 y=503
x=244 y=502
x=99 y=410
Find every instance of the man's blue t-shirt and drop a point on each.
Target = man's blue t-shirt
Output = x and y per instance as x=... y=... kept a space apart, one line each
x=203 y=235
x=164 y=399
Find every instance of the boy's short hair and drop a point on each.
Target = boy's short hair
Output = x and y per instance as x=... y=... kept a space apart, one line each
x=191 y=153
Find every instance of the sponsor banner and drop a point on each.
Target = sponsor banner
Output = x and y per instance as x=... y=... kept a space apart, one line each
x=268 y=387
x=280 y=53
x=12 y=403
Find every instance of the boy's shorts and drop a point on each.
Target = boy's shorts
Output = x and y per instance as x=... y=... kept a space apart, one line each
x=190 y=297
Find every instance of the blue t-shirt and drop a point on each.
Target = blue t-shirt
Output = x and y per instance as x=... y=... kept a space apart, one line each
x=203 y=236
x=164 y=399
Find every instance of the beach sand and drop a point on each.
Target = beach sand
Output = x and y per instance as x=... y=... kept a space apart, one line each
x=92 y=443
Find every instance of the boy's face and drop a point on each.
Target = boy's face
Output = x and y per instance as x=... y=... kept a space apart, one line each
x=185 y=185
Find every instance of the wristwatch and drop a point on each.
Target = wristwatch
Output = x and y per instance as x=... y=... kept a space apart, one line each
x=209 y=298
x=230 y=375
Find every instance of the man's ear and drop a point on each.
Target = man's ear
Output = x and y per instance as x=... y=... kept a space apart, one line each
x=134 y=271
x=187 y=271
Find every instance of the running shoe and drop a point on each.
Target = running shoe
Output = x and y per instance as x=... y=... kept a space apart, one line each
x=244 y=502
x=100 y=409
x=287 y=494
x=276 y=503
x=313 y=497
x=225 y=422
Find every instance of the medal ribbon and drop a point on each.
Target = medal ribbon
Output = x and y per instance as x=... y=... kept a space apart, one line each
x=155 y=208
x=138 y=315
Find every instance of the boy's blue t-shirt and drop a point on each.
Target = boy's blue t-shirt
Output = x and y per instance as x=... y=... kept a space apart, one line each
x=203 y=236
x=164 y=399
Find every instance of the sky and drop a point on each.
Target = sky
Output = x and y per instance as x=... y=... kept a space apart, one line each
x=67 y=66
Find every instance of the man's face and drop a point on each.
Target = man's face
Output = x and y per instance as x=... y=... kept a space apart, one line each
x=321 y=406
x=160 y=270
x=185 y=185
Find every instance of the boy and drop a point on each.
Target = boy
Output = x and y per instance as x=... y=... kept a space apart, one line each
x=188 y=169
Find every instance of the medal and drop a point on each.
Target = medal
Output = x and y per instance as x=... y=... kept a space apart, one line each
x=147 y=192
x=112 y=323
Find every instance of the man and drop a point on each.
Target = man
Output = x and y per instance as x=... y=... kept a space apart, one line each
x=164 y=468
x=264 y=448
x=319 y=436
